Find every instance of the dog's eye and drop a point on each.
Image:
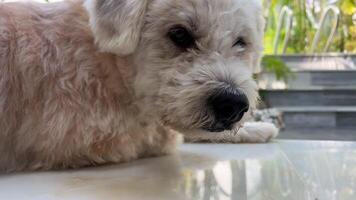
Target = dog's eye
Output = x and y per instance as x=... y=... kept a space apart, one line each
x=181 y=37
x=241 y=43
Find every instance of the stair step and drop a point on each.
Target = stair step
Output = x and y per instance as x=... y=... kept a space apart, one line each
x=320 y=62
x=309 y=97
x=311 y=79
x=319 y=116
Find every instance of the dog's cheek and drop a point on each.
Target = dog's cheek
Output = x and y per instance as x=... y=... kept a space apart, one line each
x=250 y=89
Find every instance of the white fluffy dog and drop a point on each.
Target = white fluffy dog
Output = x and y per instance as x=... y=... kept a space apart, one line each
x=107 y=81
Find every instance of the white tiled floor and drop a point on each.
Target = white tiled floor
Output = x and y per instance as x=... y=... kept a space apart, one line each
x=291 y=170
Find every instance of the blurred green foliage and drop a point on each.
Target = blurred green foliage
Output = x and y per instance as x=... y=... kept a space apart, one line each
x=277 y=66
x=304 y=30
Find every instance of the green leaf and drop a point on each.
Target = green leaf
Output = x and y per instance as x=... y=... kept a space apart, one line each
x=278 y=67
x=348 y=7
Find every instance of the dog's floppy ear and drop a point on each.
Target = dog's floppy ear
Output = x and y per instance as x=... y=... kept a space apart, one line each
x=116 y=24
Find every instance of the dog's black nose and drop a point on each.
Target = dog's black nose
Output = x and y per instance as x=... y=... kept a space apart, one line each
x=228 y=108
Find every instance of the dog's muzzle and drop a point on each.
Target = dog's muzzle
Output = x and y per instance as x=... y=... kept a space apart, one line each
x=228 y=108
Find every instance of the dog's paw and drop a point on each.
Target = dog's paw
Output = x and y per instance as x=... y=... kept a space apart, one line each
x=251 y=132
x=258 y=132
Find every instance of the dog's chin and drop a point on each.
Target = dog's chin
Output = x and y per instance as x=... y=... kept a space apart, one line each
x=218 y=128
x=195 y=132
x=206 y=131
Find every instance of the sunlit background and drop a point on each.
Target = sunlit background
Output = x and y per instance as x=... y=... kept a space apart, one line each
x=310 y=26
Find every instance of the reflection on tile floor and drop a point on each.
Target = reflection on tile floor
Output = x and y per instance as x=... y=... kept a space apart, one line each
x=291 y=170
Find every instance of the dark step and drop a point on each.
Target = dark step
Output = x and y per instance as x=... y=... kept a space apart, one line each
x=319 y=117
x=311 y=79
x=309 y=97
x=320 y=62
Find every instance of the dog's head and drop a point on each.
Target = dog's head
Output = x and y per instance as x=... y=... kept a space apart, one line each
x=194 y=59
